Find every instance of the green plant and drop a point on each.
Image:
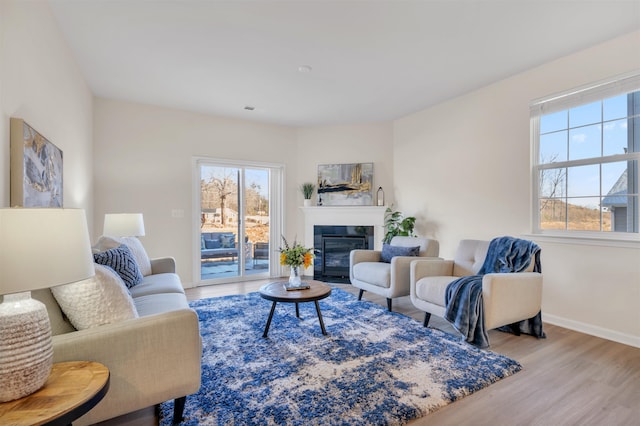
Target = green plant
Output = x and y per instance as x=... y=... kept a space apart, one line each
x=396 y=224
x=307 y=190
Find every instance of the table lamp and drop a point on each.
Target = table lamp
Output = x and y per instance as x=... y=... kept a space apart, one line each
x=39 y=248
x=123 y=225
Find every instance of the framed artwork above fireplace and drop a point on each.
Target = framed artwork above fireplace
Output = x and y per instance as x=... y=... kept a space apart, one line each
x=345 y=184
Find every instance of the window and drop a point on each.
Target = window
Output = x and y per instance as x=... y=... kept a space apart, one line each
x=586 y=153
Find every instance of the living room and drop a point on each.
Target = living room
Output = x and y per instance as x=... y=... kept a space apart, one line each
x=471 y=150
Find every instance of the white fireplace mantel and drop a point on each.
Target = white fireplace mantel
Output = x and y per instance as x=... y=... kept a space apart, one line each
x=345 y=216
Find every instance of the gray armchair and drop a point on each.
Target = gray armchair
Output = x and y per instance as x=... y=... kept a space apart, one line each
x=368 y=272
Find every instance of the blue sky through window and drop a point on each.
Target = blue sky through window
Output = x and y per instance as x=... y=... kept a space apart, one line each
x=588 y=131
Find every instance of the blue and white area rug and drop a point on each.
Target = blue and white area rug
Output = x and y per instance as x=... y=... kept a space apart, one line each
x=373 y=367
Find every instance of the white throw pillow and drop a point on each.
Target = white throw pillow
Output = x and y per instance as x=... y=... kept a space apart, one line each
x=134 y=244
x=102 y=299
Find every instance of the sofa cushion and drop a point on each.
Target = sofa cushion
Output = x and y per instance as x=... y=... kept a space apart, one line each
x=121 y=260
x=376 y=273
x=389 y=251
x=433 y=289
x=153 y=304
x=134 y=244
x=212 y=244
x=158 y=283
x=101 y=299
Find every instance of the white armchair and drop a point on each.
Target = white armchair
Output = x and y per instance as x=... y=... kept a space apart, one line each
x=507 y=297
x=368 y=272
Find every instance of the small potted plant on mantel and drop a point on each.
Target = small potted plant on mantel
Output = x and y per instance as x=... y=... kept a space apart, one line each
x=307 y=191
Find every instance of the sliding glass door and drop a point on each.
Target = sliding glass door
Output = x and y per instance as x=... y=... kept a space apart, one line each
x=236 y=206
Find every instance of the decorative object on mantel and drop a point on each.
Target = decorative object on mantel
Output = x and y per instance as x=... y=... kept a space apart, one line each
x=396 y=224
x=345 y=184
x=380 y=197
x=26 y=351
x=307 y=191
x=36 y=168
x=294 y=256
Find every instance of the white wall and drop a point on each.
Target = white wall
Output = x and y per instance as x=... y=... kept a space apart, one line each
x=463 y=168
x=41 y=83
x=358 y=143
x=143 y=163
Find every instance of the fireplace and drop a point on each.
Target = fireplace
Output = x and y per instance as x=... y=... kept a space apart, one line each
x=332 y=246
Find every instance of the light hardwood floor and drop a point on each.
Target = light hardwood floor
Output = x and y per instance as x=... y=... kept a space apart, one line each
x=569 y=378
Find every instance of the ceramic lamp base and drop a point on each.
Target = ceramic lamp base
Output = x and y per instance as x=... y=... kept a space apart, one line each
x=26 y=351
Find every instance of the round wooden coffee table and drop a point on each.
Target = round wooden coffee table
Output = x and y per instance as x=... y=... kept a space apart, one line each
x=276 y=292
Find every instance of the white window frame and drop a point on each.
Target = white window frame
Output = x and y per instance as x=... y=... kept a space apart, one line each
x=562 y=101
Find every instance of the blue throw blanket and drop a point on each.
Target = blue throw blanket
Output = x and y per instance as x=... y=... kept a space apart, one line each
x=463 y=299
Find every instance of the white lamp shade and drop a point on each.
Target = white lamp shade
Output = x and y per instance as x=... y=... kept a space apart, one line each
x=42 y=248
x=123 y=225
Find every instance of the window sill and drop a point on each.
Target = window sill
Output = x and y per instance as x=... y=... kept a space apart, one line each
x=631 y=241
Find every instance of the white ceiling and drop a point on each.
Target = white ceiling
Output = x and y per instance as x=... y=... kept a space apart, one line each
x=371 y=60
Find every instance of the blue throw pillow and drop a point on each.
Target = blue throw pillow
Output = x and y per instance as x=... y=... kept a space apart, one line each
x=121 y=260
x=389 y=251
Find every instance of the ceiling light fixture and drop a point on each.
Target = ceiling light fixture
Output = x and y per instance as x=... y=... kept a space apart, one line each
x=304 y=68
x=249 y=108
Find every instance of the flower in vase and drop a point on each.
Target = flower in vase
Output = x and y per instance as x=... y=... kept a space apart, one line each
x=295 y=255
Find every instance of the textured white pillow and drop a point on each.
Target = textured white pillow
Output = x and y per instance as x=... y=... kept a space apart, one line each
x=134 y=244
x=102 y=299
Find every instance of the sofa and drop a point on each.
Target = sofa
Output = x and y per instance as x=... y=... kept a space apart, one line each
x=153 y=357
x=216 y=245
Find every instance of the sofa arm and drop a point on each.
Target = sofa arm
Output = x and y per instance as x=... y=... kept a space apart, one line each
x=163 y=265
x=400 y=274
x=510 y=297
x=357 y=256
x=430 y=268
x=151 y=359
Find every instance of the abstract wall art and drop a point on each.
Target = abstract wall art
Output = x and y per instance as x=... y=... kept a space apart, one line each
x=345 y=184
x=36 y=168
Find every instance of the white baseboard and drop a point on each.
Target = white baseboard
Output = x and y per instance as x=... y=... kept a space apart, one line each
x=593 y=330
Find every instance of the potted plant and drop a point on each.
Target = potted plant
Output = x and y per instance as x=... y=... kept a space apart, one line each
x=307 y=191
x=396 y=224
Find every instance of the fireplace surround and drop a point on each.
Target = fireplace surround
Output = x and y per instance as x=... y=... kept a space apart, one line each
x=351 y=217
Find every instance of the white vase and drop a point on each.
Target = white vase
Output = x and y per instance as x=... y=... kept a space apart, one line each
x=294 y=277
x=307 y=202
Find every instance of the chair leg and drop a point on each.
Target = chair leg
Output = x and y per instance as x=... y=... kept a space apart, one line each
x=515 y=328
x=178 y=409
x=389 y=304
x=360 y=294
x=427 y=317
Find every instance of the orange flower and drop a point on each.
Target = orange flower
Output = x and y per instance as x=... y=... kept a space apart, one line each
x=308 y=257
x=283 y=258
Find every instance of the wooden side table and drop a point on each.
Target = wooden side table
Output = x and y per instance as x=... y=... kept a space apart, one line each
x=73 y=388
